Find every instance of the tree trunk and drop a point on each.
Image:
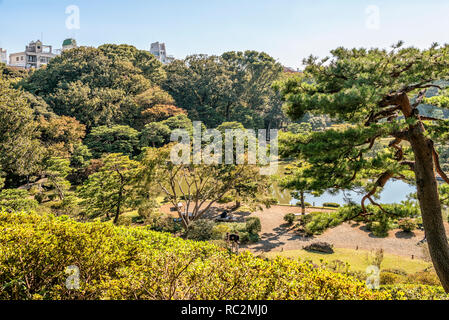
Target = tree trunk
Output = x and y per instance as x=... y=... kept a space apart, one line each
x=303 y=205
x=428 y=196
x=237 y=205
x=119 y=205
x=427 y=191
x=228 y=112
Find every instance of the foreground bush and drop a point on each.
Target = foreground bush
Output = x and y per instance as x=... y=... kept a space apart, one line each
x=135 y=263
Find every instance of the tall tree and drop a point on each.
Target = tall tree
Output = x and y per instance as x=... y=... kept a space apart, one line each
x=111 y=190
x=295 y=179
x=201 y=85
x=20 y=150
x=155 y=134
x=233 y=87
x=252 y=74
x=377 y=92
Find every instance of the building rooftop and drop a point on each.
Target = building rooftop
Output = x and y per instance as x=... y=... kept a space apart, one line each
x=68 y=42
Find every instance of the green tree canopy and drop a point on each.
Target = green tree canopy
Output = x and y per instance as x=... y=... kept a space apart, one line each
x=155 y=134
x=233 y=87
x=96 y=86
x=199 y=187
x=16 y=200
x=20 y=150
x=115 y=139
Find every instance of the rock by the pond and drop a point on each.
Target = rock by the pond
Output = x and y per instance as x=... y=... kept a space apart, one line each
x=320 y=247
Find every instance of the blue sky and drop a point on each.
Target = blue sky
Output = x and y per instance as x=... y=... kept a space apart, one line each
x=287 y=30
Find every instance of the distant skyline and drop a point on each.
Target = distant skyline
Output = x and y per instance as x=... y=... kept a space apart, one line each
x=287 y=30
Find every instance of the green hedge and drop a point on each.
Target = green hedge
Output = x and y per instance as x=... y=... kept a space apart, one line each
x=331 y=205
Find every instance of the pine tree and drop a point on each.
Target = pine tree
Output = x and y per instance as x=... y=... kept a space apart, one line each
x=376 y=93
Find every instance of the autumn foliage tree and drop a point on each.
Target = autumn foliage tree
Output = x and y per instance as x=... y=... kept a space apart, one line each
x=377 y=93
x=161 y=112
x=61 y=135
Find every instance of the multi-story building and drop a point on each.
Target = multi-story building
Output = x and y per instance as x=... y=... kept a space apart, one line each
x=35 y=55
x=3 y=56
x=159 y=51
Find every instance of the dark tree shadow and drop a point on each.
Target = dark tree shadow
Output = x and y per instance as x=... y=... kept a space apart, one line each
x=404 y=235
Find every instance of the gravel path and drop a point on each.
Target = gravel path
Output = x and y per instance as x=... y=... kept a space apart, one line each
x=277 y=236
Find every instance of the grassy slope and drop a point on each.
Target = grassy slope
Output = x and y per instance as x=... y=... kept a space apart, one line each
x=356 y=259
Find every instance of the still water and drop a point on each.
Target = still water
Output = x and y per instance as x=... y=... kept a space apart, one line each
x=394 y=192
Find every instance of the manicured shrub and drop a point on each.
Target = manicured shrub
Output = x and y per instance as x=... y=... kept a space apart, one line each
x=254 y=237
x=379 y=228
x=16 y=200
x=331 y=205
x=253 y=225
x=201 y=230
x=320 y=247
x=124 y=221
x=407 y=225
x=320 y=221
x=158 y=221
x=290 y=218
x=219 y=231
x=244 y=237
x=306 y=204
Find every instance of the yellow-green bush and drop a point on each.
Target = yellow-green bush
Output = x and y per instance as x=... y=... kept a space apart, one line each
x=136 y=263
x=424 y=277
x=390 y=278
x=415 y=292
